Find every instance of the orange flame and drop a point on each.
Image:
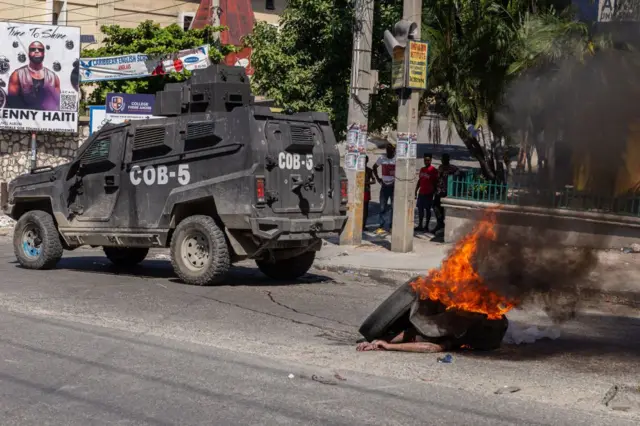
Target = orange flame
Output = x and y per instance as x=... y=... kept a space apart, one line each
x=457 y=285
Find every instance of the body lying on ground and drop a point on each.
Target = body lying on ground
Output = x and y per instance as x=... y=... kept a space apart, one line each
x=432 y=330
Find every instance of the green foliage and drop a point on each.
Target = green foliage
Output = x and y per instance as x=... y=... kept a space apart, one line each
x=476 y=50
x=306 y=64
x=151 y=39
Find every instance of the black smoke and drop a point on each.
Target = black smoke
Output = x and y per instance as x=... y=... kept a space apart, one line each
x=579 y=110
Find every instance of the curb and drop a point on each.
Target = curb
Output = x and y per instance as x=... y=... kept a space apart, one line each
x=396 y=277
x=390 y=277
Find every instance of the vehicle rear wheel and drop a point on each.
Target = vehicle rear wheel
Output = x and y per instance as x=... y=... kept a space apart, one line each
x=199 y=252
x=386 y=316
x=125 y=256
x=288 y=269
x=36 y=241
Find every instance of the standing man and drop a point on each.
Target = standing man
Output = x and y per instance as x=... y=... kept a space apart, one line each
x=425 y=190
x=34 y=86
x=387 y=184
x=445 y=169
x=368 y=180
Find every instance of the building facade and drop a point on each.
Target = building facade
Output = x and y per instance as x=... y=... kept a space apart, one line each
x=90 y=15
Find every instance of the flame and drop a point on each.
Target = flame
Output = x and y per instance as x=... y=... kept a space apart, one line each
x=457 y=285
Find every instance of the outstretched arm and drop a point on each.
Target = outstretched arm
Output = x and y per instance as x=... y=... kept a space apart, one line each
x=422 y=347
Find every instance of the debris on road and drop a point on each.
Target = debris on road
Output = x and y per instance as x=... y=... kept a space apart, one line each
x=6 y=222
x=507 y=389
x=447 y=359
x=339 y=377
x=634 y=248
x=291 y=376
x=324 y=381
x=622 y=398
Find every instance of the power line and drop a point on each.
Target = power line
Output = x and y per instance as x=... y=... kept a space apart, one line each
x=38 y=8
x=72 y=10
x=124 y=14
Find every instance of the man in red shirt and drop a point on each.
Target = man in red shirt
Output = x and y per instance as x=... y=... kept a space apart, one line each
x=425 y=189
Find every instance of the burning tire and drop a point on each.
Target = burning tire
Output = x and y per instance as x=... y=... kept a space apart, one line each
x=392 y=316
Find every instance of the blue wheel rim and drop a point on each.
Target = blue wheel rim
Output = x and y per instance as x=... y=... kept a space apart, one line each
x=31 y=242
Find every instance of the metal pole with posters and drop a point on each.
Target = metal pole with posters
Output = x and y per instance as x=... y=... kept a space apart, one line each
x=409 y=77
x=363 y=81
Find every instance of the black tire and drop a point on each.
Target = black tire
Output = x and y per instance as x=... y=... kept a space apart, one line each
x=126 y=257
x=288 y=269
x=393 y=310
x=199 y=230
x=36 y=241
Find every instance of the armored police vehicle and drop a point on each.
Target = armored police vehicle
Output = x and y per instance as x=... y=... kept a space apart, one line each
x=218 y=178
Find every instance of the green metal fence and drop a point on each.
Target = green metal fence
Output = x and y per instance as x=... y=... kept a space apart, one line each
x=474 y=187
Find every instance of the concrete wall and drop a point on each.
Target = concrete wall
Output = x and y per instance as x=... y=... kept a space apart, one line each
x=561 y=227
x=53 y=150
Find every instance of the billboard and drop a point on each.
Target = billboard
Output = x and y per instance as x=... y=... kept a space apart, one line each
x=121 y=107
x=139 y=65
x=39 y=77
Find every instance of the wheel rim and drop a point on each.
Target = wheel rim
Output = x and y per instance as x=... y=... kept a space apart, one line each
x=195 y=250
x=31 y=241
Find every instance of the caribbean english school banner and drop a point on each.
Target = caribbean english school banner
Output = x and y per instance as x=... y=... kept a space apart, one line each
x=39 y=77
x=139 y=66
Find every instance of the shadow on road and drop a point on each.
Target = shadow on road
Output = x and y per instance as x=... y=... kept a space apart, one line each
x=162 y=269
x=601 y=342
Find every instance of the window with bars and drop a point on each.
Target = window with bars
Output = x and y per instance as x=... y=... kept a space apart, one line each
x=98 y=151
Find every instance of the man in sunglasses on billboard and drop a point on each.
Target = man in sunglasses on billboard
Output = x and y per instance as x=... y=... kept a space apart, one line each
x=34 y=86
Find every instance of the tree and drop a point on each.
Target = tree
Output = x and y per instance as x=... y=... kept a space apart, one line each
x=305 y=64
x=151 y=39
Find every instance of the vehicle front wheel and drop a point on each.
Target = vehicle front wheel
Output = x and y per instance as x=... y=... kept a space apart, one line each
x=36 y=242
x=126 y=257
x=288 y=269
x=199 y=252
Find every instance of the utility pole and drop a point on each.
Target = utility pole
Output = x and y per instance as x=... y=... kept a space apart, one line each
x=363 y=84
x=409 y=78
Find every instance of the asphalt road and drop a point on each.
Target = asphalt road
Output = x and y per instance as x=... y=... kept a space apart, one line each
x=84 y=345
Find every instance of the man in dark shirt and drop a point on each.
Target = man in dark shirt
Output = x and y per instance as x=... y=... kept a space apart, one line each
x=425 y=189
x=445 y=169
x=368 y=181
x=34 y=86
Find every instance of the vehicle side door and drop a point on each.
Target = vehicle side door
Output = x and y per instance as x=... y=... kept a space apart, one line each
x=95 y=178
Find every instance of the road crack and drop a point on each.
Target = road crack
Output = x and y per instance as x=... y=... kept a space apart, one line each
x=270 y=295
x=294 y=321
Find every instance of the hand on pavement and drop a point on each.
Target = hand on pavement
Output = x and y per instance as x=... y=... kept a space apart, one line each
x=376 y=345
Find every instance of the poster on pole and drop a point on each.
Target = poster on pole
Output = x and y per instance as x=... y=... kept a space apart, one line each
x=413 y=145
x=139 y=65
x=351 y=155
x=39 y=77
x=402 y=146
x=398 y=70
x=418 y=52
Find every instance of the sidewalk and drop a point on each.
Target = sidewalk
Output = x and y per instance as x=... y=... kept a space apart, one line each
x=615 y=280
x=374 y=258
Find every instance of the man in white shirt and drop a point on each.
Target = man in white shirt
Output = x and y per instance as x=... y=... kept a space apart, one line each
x=387 y=163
